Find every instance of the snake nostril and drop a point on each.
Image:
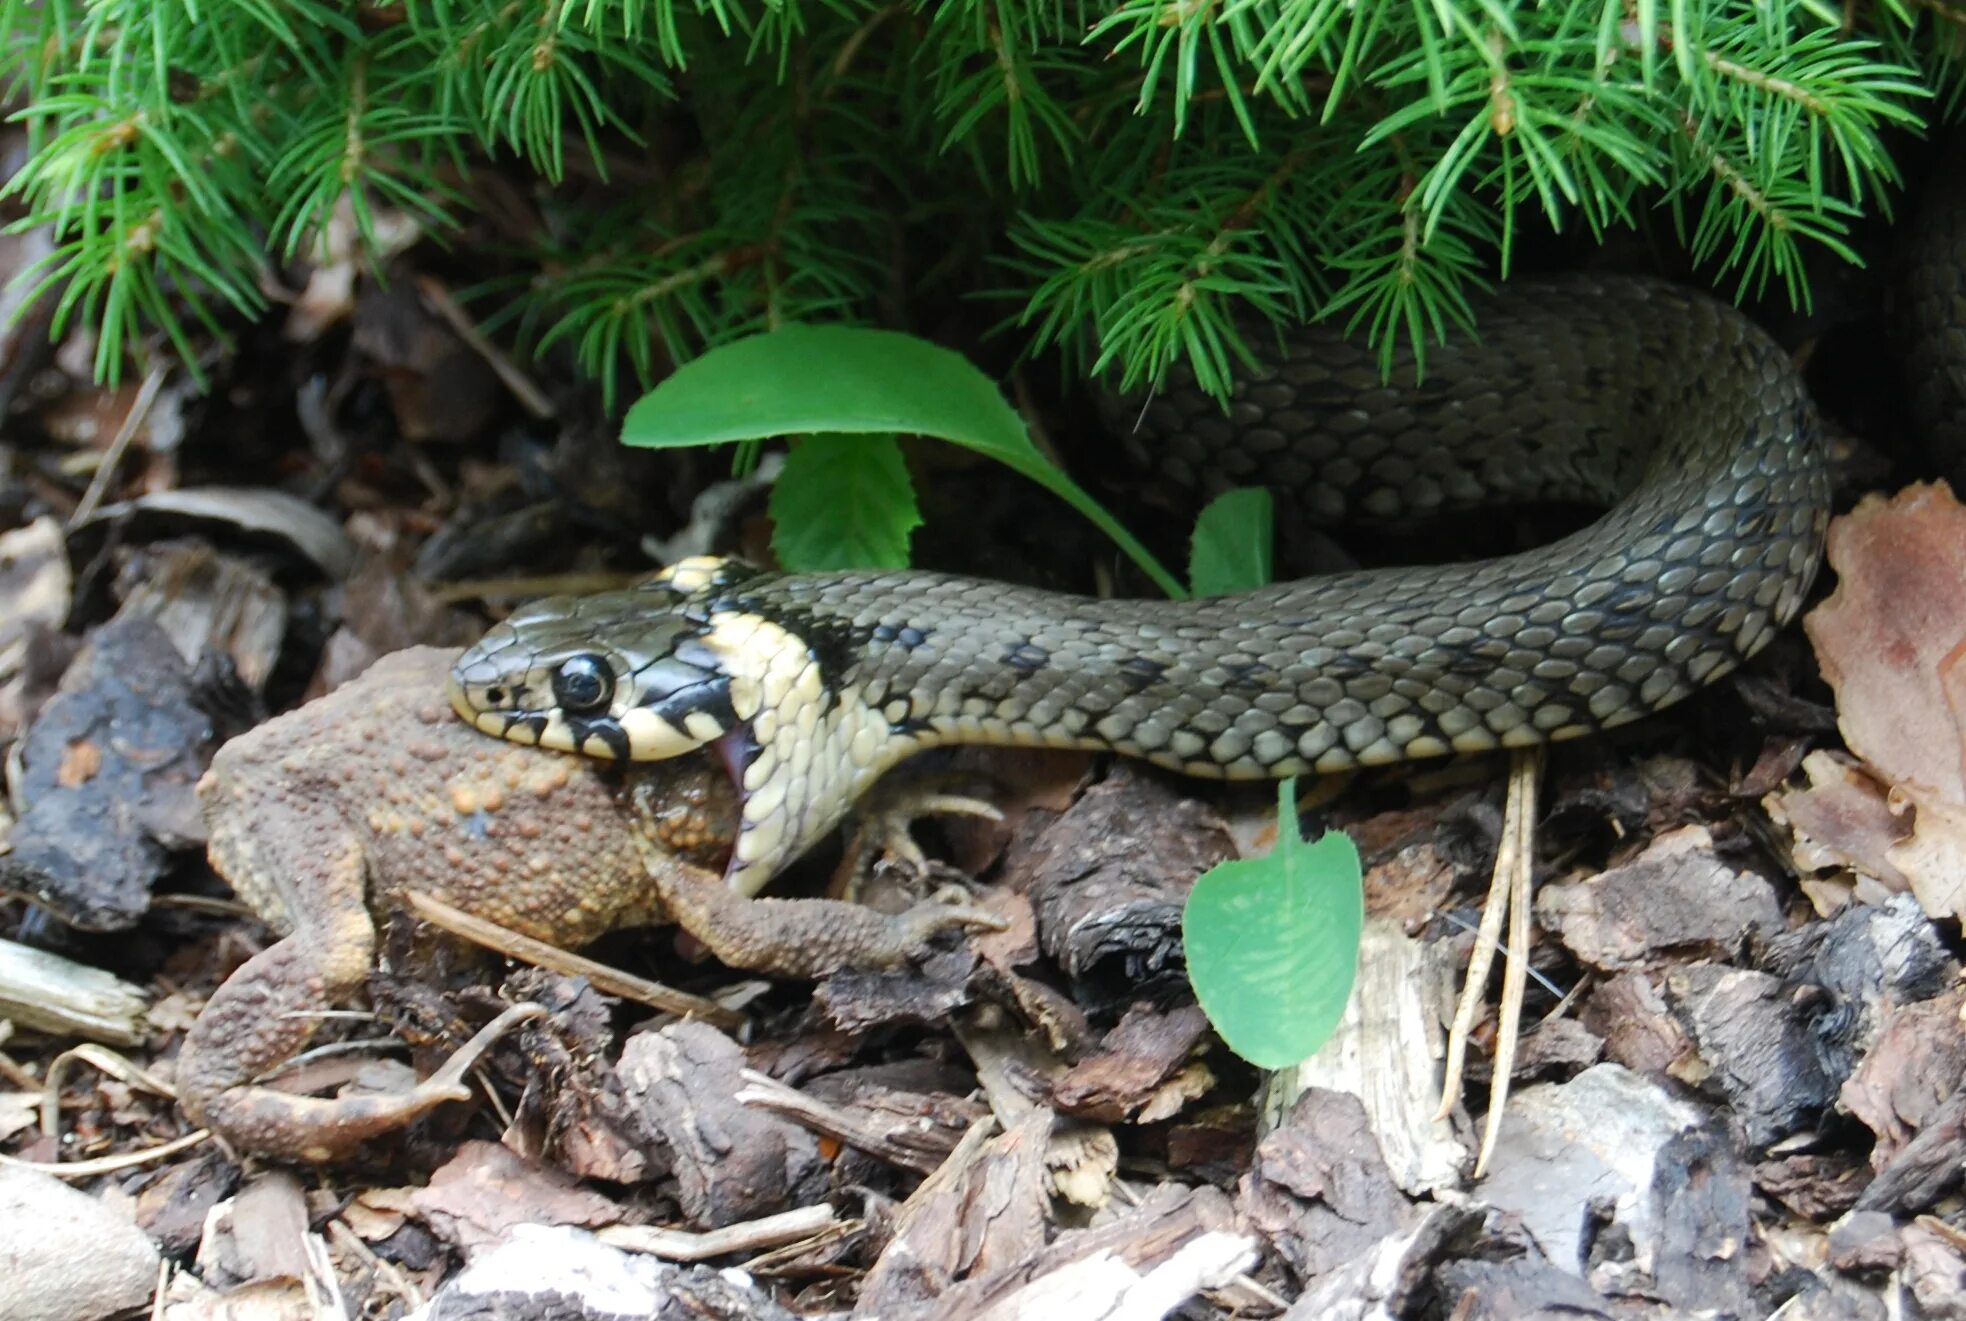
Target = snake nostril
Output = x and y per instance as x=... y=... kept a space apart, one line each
x=495 y=695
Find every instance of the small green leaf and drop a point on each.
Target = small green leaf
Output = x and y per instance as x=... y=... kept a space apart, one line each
x=1232 y=543
x=1273 y=942
x=846 y=503
x=803 y=380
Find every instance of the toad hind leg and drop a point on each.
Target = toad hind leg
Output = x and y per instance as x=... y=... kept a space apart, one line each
x=262 y=1016
x=268 y=1010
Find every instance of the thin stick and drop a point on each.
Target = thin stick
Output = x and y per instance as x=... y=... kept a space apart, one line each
x=1480 y=960
x=1519 y=837
x=112 y=459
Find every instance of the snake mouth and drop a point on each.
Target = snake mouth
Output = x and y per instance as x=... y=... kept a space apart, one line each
x=637 y=733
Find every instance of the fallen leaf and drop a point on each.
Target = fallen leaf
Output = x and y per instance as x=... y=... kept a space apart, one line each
x=1933 y=859
x=1890 y=640
x=1840 y=819
x=1890 y=637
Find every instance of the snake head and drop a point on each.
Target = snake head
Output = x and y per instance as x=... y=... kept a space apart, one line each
x=601 y=675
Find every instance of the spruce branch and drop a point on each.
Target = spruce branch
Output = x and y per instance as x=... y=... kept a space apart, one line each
x=1157 y=181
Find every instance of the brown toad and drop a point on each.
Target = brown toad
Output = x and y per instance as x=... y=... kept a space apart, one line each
x=324 y=817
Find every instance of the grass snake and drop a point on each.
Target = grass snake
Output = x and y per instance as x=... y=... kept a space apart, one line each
x=1665 y=404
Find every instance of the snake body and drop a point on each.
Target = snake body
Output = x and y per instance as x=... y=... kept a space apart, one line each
x=1662 y=399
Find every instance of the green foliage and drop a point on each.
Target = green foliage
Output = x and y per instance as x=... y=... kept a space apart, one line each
x=815 y=381
x=846 y=503
x=1272 y=942
x=1137 y=181
x=1232 y=548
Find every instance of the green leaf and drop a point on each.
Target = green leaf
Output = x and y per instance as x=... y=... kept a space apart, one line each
x=810 y=380
x=1273 y=942
x=1233 y=542
x=844 y=503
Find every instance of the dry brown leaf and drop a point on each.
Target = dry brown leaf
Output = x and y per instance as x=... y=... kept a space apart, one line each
x=1841 y=819
x=1890 y=640
x=1933 y=859
x=1891 y=636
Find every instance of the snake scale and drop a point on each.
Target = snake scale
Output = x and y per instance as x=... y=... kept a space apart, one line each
x=1662 y=402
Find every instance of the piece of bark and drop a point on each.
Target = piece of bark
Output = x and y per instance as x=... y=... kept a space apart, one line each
x=1521 y=1287
x=475 y=1200
x=910 y=1130
x=1635 y=1023
x=1213 y=1145
x=1864 y=1241
x=729 y=1161
x=1935 y=1269
x=1393 y=1276
x=1707 y=1194
x=979 y=1215
x=1867 y=960
x=106 y=776
x=1834 y=1299
x=1759 y=1045
x=1915 y=1066
x=51 y=994
x=1554 y=1048
x=574 y=1111
x=1924 y=1169
x=1814 y=1185
x=927 y=991
x=1169 y=1220
x=1675 y=897
x=206 y=601
x=1593 y=1162
x=1110 y=877
x=1387 y=1050
x=1319 y=1190
x=173 y=1206
x=260 y=1235
x=1415 y=857
x=813 y=1049
x=1142 y=1052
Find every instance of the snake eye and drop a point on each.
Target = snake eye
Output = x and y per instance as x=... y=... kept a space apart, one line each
x=583 y=684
